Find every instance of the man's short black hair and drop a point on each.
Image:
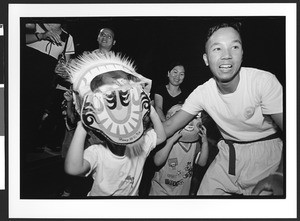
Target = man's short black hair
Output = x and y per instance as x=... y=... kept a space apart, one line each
x=213 y=29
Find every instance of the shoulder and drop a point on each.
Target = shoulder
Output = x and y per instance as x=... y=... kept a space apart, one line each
x=150 y=138
x=96 y=148
x=150 y=133
x=256 y=74
x=206 y=86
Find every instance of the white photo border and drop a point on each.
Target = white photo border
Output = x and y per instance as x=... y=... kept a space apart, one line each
x=150 y=208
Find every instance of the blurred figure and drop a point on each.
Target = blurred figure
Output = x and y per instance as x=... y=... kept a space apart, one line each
x=45 y=42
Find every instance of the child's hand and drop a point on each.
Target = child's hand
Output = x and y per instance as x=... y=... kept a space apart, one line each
x=175 y=137
x=68 y=95
x=202 y=133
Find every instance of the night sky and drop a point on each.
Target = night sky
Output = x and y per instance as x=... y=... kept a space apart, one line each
x=153 y=42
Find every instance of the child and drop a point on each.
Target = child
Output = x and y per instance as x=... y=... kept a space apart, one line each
x=177 y=157
x=116 y=108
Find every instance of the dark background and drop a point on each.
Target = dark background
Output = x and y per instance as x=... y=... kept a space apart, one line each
x=153 y=42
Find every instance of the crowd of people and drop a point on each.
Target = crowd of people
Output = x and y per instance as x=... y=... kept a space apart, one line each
x=171 y=150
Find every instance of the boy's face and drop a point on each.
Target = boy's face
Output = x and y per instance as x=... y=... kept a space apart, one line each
x=224 y=54
x=191 y=130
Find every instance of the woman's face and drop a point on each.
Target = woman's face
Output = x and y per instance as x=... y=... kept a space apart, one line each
x=176 y=75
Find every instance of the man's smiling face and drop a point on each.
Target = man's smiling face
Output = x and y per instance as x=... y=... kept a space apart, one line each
x=224 y=54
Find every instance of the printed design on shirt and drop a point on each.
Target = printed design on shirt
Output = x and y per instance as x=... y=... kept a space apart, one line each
x=179 y=176
x=249 y=112
x=173 y=162
x=129 y=180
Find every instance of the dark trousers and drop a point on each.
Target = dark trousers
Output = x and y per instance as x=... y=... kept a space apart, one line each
x=36 y=83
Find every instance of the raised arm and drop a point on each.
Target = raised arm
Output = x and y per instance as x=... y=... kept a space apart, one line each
x=161 y=156
x=201 y=159
x=158 y=127
x=158 y=102
x=74 y=163
x=176 y=122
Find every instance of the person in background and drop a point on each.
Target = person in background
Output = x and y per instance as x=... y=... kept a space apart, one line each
x=247 y=105
x=44 y=43
x=166 y=96
x=177 y=158
x=106 y=40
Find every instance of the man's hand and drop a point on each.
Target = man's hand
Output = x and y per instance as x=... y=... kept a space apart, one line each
x=273 y=182
x=52 y=36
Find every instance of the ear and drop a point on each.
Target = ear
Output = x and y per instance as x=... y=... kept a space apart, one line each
x=114 y=42
x=205 y=59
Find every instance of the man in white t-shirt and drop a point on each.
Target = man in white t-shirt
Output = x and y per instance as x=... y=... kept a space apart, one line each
x=246 y=104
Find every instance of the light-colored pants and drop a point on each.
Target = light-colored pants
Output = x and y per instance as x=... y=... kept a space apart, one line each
x=254 y=161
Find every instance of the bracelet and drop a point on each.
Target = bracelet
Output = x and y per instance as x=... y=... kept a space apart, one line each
x=37 y=36
x=277 y=173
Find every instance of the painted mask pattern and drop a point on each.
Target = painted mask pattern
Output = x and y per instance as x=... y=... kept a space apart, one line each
x=117 y=114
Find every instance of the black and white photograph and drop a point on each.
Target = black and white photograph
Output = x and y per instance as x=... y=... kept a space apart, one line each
x=152 y=110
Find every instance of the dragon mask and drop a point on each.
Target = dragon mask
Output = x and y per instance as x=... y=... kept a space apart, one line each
x=111 y=97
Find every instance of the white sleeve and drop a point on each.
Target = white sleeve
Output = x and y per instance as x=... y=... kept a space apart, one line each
x=150 y=140
x=271 y=95
x=91 y=154
x=192 y=104
x=70 y=49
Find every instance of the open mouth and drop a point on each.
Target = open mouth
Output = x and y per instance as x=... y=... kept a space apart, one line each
x=189 y=127
x=225 y=67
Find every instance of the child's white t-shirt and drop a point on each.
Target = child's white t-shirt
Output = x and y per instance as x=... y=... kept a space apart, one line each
x=243 y=114
x=114 y=175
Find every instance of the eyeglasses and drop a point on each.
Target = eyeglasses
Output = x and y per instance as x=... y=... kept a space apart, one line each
x=105 y=35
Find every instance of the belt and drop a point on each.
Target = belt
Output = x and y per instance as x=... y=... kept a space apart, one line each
x=232 y=158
